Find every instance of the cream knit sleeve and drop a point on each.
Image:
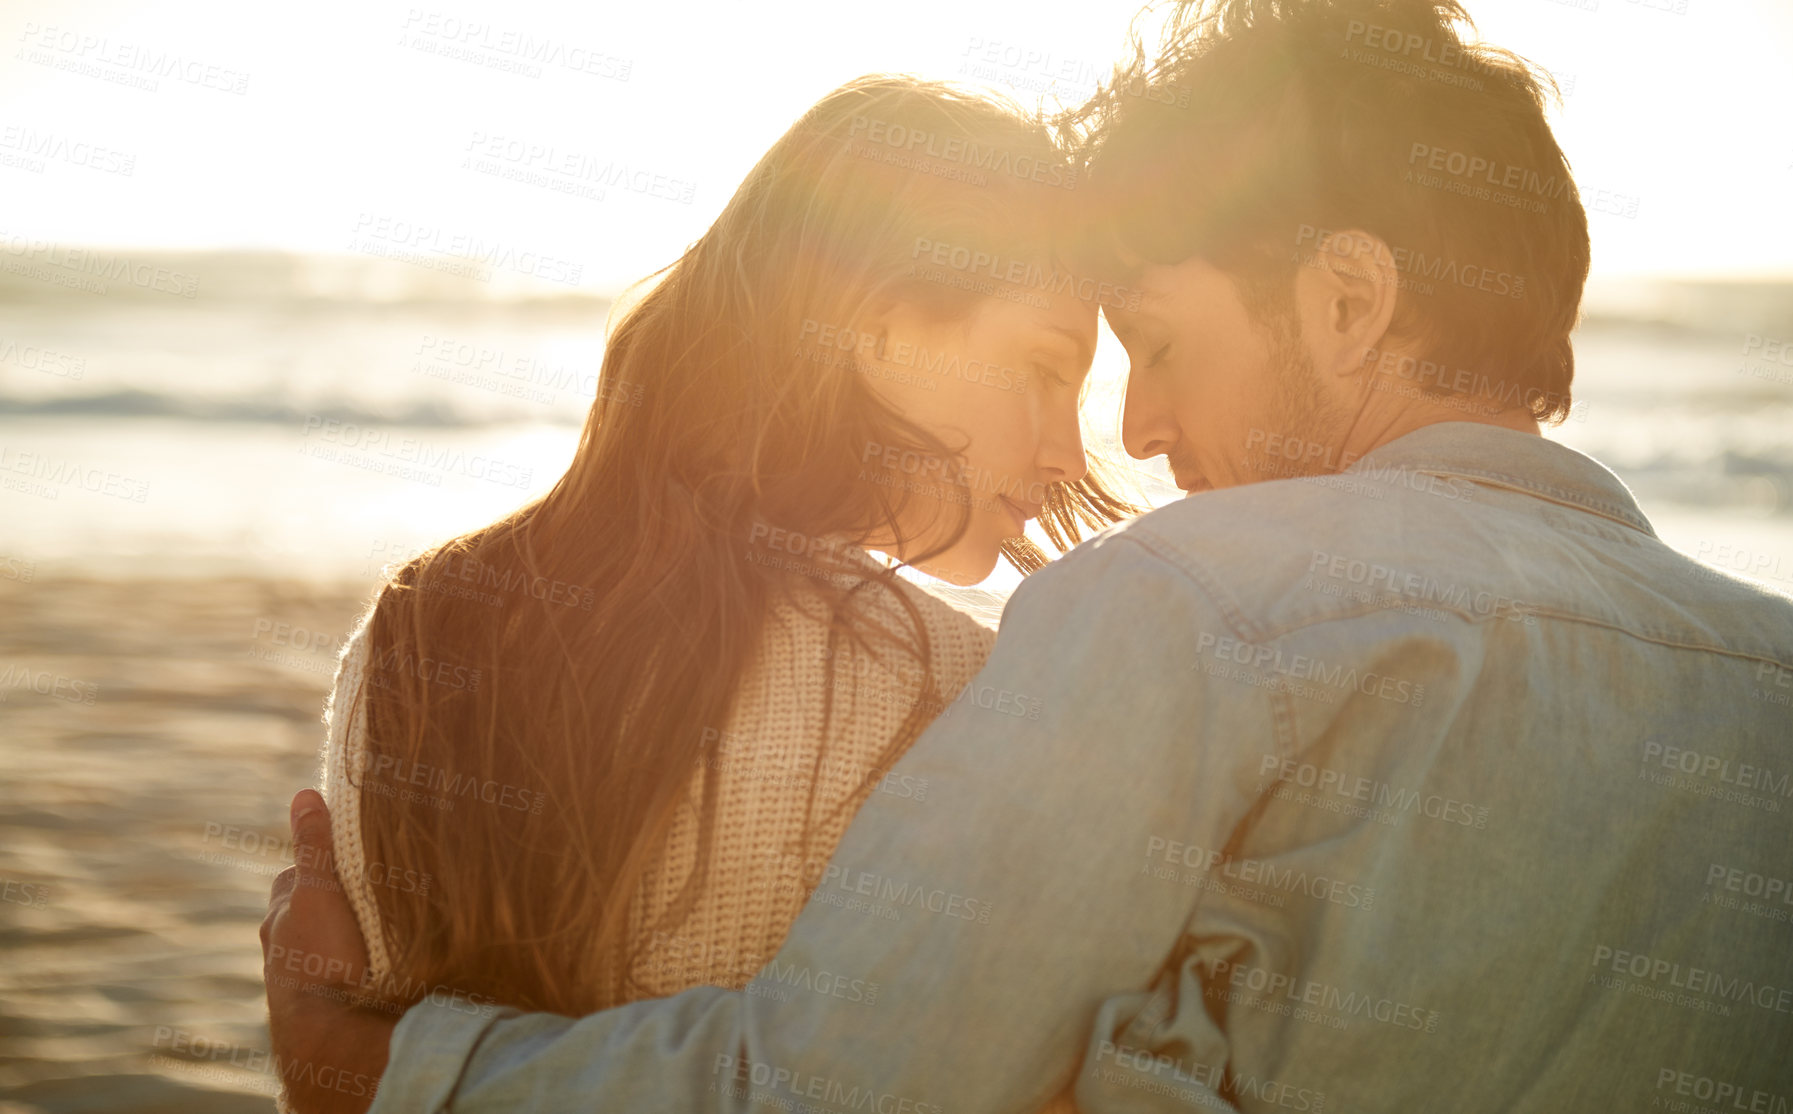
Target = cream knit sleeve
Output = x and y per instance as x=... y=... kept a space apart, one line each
x=345 y=763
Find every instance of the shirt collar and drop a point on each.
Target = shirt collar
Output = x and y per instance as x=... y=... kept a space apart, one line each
x=1507 y=458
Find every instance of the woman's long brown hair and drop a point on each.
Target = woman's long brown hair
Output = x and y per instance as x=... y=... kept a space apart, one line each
x=557 y=677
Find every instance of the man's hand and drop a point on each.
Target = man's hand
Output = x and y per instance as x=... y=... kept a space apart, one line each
x=328 y=1045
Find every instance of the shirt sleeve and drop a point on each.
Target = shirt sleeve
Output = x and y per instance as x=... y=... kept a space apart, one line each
x=956 y=952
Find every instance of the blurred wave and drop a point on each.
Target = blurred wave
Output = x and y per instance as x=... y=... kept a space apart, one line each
x=246 y=412
x=40 y=271
x=131 y=403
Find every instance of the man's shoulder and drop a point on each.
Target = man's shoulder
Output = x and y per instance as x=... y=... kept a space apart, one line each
x=1248 y=546
x=1237 y=522
x=1416 y=549
x=1211 y=541
x=1121 y=575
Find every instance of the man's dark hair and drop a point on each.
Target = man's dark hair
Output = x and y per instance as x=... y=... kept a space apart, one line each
x=1260 y=127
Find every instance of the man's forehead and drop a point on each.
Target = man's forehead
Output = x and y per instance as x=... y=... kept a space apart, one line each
x=1150 y=283
x=1150 y=307
x=1160 y=285
x=1130 y=260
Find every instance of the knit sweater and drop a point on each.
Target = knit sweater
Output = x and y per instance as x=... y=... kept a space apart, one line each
x=765 y=756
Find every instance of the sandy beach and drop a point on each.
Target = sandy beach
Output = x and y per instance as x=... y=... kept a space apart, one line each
x=154 y=733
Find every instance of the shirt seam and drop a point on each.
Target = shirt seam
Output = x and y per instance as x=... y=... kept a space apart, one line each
x=1257 y=633
x=1282 y=714
x=1562 y=496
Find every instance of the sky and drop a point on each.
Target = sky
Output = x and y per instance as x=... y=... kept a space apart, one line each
x=203 y=124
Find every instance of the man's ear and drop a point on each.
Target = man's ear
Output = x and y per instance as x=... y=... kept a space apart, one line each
x=1346 y=292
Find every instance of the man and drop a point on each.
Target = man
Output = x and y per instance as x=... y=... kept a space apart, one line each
x=1423 y=777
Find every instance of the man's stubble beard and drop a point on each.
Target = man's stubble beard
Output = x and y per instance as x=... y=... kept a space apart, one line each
x=1298 y=410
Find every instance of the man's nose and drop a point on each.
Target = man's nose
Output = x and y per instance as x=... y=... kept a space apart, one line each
x=1147 y=426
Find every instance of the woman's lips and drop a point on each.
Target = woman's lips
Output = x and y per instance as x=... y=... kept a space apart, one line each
x=1021 y=511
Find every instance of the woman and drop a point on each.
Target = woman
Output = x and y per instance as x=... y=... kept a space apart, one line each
x=598 y=750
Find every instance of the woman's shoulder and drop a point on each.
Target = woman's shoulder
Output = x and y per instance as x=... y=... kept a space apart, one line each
x=344 y=761
x=959 y=633
x=351 y=667
x=947 y=608
x=952 y=615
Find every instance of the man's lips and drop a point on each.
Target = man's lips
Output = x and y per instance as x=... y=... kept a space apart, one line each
x=1186 y=473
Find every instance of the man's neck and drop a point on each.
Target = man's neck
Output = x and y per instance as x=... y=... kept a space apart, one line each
x=1395 y=417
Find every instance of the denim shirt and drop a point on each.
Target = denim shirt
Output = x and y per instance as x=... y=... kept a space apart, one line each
x=1437 y=784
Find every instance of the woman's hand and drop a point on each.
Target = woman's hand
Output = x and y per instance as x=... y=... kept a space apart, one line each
x=329 y=1049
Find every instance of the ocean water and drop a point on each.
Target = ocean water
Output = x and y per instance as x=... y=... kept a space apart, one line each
x=315 y=418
